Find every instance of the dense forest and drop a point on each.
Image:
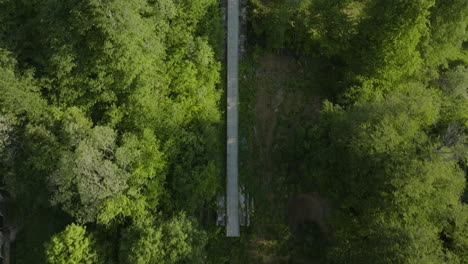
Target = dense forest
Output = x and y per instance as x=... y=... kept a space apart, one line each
x=111 y=128
x=112 y=131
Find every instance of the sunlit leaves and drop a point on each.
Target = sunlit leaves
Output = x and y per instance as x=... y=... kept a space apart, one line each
x=72 y=246
x=176 y=240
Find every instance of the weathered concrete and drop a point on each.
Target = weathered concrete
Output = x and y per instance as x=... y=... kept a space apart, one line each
x=232 y=186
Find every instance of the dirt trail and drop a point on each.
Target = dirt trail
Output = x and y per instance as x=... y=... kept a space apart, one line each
x=280 y=106
x=270 y=73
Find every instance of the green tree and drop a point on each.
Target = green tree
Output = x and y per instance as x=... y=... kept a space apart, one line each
x=89 y=173
x=384 y=51
x=263 y=16
x=174 y=241
x=141 y=156
x=96 y=53
x=72 y=246
x=394 y=195
x=31 y=149
x=20 y=94
x=447 y=32
x=455 y=82
x=328 y=26
x=5 y=133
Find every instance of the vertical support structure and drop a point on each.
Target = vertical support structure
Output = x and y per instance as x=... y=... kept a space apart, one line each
x=232 y=171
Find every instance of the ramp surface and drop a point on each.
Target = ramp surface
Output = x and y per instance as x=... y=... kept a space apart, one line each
x=232 y=188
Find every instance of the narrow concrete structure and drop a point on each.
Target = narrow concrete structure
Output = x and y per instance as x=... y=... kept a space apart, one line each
x=232 y=183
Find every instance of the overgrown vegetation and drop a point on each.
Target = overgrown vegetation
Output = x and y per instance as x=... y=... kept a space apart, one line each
x=388 y=149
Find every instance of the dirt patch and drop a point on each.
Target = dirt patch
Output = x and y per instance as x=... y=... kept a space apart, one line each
x=281 y=106
x=271 y=73
x=306 y=208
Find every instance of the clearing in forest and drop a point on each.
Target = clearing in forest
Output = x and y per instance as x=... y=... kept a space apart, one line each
x=284 y=103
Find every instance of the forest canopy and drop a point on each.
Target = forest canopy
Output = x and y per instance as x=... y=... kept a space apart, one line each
x=112 y=129
x=110 y=111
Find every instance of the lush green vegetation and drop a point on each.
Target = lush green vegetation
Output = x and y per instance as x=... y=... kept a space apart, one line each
x=110 y=111
x=389 y=148
x=111 y=130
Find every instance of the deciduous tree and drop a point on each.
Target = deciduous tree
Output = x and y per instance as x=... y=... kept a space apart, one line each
x=72 y=246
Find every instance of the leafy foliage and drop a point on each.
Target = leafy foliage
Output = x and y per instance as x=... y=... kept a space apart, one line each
x=174 y=241
x=389 y=149
x=448 y=22
x=455 y=82
x=110 y=111
x=72 y=246
x=90 y=171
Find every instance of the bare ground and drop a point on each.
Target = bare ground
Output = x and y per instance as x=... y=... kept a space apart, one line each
x=281 y=105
